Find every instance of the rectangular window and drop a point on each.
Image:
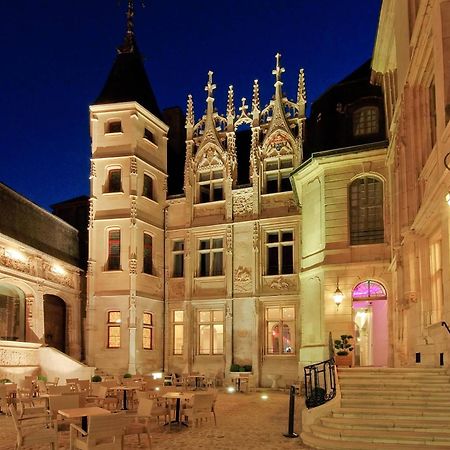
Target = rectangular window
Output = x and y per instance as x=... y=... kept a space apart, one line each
x=210 y=332
x=149 y=135
x=113 y=262
x=114 y=321
x=210 y=257
x=210 y=185
x=147 y=189
x=114 y=181
x=114 y=127
x=148 y=251
x=147 y=331
x=178 y=259
x=276 y=174
x=280 y=252
x=436 y=279
x=280 y=330
x=178 y=332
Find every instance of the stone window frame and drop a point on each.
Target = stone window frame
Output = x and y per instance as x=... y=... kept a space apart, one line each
x=281 y=322
x=280 y=173
x=113 y=325
x=147 y=259
x=110 y=258
x=210 y=182
x=279 y=244
x=209 y=326
x=177 y=323
x=148 y=192
x=147 y=327
x=177 y=254
x=211 y=250
x=366 y=121
x=113 y=126
x=110 y=186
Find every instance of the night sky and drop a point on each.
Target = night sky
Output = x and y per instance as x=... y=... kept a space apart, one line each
x=57 y=56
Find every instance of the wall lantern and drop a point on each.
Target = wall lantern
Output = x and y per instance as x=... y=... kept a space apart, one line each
x=338 y=296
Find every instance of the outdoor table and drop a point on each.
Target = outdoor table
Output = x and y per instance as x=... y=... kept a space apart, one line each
x=84 y=413
x=125 y=389
x=177 y=396
x=197 y=378
x=237 y=382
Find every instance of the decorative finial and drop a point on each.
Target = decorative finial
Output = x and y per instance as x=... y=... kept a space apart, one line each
x=190 y=112
x=210 y=86
x=128 y=43
x=301 y=92
x=255 y=99
x=230 y=102
x=243 y=108
x=278 y=69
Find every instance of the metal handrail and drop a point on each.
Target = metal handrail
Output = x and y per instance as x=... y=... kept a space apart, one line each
x=444 y=324
x=320 y=383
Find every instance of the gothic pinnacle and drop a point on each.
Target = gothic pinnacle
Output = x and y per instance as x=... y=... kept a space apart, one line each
x=255 y=99
x=230 y=102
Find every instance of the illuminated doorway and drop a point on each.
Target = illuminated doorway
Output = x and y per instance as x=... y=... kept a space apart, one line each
x=371 y=325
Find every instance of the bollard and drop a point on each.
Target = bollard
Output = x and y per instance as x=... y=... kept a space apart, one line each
x=290 y=433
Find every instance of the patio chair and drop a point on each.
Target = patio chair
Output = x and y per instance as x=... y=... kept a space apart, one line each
x=58 y=390
x=141 y=424
x=202 y=408
x=104 y=433
x=33 y=434
x=65 y=401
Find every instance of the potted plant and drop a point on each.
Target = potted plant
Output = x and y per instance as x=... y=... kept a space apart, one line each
x=344 y=348
x=96 y=379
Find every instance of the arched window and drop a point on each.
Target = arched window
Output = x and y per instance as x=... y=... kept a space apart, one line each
x=113 y=262
x=148 y=254
x=369 y=289
x=210 y=185
x=12 y=314
x=114 y=181
x=147 y=189
x=366 y=211
x=366 y=121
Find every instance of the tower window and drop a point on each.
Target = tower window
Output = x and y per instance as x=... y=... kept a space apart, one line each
x=148 y=135
x=147 y=189
x=114 y=127
x=366 y=121
x=113 y=262
x=148 y=250
x=114 y=182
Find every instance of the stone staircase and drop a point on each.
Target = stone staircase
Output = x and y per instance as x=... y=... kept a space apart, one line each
x=387 y=409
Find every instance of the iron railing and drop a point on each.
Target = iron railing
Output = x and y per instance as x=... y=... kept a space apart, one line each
x=320 y=383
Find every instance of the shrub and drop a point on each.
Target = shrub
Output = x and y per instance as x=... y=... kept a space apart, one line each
x=5 y=380
x=248 y=367
x=127 y=375
x=343 y=345
x=96 y=378
x=42 y=378
x=234 y=368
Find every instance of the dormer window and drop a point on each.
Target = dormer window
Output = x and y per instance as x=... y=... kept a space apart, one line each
x=210 y=185
x=114 y=182
x=114 y=127
x=276 y=174
x=366 y=121
x=148 y=135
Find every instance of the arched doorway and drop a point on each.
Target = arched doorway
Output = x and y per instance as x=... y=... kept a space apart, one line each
x=12 y=313
x=371 y=324
x=55 y=322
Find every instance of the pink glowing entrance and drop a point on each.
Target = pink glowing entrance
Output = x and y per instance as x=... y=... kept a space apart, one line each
x=370 y=320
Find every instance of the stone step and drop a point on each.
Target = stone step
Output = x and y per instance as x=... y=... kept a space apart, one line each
x=413 y=370
x=393 y=413
x=331 y=444
x=383 y=384
x=439 y=426
x=382 y=436
x=398 y=394
x=389 y=402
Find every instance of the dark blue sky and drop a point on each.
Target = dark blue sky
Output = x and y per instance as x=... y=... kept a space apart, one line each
x=57 y=54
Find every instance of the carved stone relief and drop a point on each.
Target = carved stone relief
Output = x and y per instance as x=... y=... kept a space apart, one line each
x=243 y=202
x=280 y=283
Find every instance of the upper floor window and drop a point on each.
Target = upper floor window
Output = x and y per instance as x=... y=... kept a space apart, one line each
x=147 y=331
x=149 y=135
x=280 y=330
x=113 y=262
x=114 y=182
x=210 y=332
x=113 y=326
x=276 y=174
x=147 y=189
x=148 y=254
x=366 y=211
x=210 y=257
x=177 y=332
x=114 y=127
x=210 y=185
x=280 y=252
x=178 y=259
x=366 y=121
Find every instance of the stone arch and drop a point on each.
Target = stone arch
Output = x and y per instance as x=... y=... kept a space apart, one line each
x=12 y=312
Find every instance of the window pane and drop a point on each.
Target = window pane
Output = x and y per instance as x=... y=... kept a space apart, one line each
x=288 y=313
x=204 y=316
x=204 y=265
x=178 y=245
x=218 y=316
x=287 y=343
x=113 y=337
x=204 y=245
x=272 y=237
x=273 y=314
x=115 y=127
x=204 y=176
x=273 y=337
x=147 y=319
x=178 y=338
x=285 y=183
x=272 y=165
x=178 y=316
x=147 y=190
x=271 y=183
x=287 y=236
x=204 y=193
x=147 y=338
x=178 y=266
x=217 y=243
x=148 y=250
x=217 y=192
x=114 y=317
x=114 y=180
x=113 y=250
x=205 y=339
x=217 y=174
x=217 y=268
x=218 y=339
x=286 y=163
x=272 y=256
x=288 y=262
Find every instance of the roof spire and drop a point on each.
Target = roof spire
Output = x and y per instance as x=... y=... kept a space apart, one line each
x=128 y=45
x=278 y=69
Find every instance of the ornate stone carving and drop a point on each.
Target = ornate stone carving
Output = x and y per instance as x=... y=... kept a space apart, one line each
x=133 y=265
x=243 y=202
x=93 y=172
x=133 y=166
x=133 y=210
x=280 y=283
x=64 y=279
x=16 y=264
x=90 y=267
x=242 y=274
x=229 y=239
x=256 y=237
x=91 y=213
